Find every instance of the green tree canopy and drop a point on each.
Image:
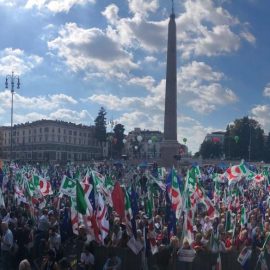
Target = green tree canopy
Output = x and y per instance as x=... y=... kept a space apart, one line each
x=210 y=149
x=119 y=135
x=250 y=140
x=100 y=125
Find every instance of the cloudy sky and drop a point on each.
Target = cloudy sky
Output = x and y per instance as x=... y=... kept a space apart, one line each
x=74 y=56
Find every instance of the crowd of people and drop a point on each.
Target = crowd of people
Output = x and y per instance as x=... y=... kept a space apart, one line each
x=168 y=219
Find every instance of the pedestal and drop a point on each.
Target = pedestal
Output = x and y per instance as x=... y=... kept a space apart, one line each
x=168 y=151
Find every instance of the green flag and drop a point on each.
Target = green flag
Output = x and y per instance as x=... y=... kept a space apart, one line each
x=68 y=186
x=80 y=200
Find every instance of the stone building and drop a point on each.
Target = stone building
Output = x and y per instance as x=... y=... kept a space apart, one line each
x=143 y=144
x=50 y=140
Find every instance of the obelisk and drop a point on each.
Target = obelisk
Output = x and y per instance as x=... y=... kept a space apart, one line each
x=170 y=145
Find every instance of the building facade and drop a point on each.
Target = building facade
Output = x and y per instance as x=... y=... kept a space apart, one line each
x=146 y=144
x=143 y=144
x=50 y=140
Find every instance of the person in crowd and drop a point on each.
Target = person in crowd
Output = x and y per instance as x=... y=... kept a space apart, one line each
x=87 y=260
x=49 y=262
x=54 y=241
x=112 y=263
x=25 y=265
x=6 y=246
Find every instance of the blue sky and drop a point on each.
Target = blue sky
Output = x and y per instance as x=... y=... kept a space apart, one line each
x=74 y=56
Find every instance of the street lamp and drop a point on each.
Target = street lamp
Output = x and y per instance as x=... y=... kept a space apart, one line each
x=13 y=78
x=112 y=123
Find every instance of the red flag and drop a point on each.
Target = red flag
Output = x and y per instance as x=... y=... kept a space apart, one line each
x=118 y=198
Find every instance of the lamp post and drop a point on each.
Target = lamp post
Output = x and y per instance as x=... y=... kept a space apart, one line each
x=13 y=78
x=112 y=123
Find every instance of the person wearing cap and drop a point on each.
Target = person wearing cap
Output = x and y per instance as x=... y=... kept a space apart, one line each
x=6 y=246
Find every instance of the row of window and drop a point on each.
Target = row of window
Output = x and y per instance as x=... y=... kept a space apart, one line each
x=46 y=138
x=46 y=130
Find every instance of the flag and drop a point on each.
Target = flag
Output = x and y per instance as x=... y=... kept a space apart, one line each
x=80 y=200
x=102 y=218
x=174 y=193
x=170 y=217
x=2 y=202
x=118 y=199
x=234 y=173
x=68 y=186
x=108 y=182
x=128 y=213
x=243 y=220
x=218 y=264
x=258 y=178
x=188 y=218
x=45 y=187
x=158 y=182
x=152 y=238
x=135 y=210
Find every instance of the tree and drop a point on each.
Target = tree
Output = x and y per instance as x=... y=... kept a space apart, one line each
x=100 y=125
x=267 y=149
x=244 y=139
x=210 y=149
x=118 y=137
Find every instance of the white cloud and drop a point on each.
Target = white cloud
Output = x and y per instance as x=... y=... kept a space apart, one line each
x=204 y=28
x=91 y=50
x=73 y=116
x=249 y=37
x=56 y=6
x=200 y=86
x=266 y=91
x=68 y=115
x=262 y=114
x=49 y=102
x=143 y=6
x=147 y=82
x=18 y=61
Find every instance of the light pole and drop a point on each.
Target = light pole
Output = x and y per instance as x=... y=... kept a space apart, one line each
x=112 y=123
x=13 y=78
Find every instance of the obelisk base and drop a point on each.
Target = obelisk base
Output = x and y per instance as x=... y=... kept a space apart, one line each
x=169 y=150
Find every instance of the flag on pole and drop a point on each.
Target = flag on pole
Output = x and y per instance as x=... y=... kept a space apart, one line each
x=68 y=186
x=243 y=220
x=80 y=200
x=118 y=199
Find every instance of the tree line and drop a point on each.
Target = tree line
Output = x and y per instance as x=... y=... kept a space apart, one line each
x=115 y=138
x=243 y=139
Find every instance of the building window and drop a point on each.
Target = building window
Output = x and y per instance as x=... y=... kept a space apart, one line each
x=40 y=130
x=53 y=130
x=29 y=131
x=59 y=130
x=64 y=131
x=46 y=129
x=74 y=140
x=70 y=132
x=75 y=133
